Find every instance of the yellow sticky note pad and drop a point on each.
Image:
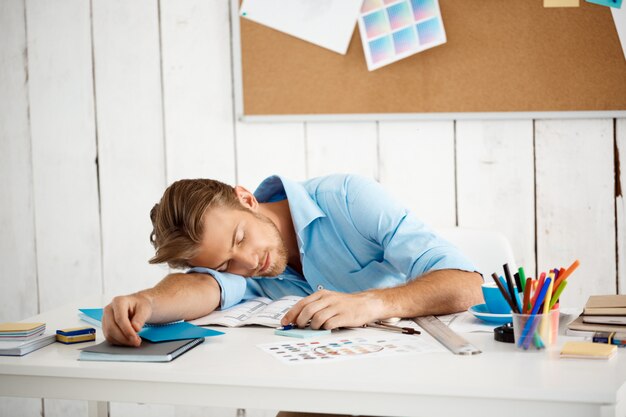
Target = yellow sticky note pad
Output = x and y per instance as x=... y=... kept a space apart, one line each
x=561 y=3
x=588 y=350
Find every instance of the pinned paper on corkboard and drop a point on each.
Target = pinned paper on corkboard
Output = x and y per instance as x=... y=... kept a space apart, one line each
x=561 y=3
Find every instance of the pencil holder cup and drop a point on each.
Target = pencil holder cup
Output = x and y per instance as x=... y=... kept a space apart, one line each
x=535 y=331
x=496 y=304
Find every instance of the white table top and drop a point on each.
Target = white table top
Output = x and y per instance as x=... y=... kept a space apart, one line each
x=231 y=371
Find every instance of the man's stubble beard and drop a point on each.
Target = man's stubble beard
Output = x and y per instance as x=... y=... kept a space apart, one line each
x=280 y=257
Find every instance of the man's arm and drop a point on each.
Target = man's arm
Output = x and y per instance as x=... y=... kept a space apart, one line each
x=176 y=297
x=438 y=292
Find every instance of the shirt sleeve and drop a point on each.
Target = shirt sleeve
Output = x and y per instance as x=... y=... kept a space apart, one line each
x=232 y=287
x=407 y=243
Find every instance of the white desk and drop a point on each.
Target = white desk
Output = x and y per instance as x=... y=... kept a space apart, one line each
x=230 y=371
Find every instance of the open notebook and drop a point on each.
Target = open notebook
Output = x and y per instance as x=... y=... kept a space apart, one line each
x=261 y=311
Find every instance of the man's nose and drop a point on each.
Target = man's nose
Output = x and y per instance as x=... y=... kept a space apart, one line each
x=249 y=260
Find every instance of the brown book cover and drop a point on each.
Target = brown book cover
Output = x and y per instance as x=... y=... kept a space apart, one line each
x=578 y=324
x=606 y=305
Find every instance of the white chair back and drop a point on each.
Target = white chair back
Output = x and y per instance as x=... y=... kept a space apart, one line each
x=489 y=250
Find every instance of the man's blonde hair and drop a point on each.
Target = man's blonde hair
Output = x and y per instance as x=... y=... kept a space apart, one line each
x=177 y=220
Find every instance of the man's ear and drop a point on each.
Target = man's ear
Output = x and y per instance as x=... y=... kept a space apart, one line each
x=246 y=198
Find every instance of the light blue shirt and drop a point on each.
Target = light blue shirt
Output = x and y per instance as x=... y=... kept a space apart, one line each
x=352 y=237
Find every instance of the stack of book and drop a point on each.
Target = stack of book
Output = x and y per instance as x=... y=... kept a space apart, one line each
x=17 y=339
x=602 y=313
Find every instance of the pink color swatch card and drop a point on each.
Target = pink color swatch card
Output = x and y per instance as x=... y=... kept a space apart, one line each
x=392 y=30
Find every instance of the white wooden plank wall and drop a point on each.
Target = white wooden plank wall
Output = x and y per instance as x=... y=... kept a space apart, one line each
x=18 y=256
x=342 y=147
x=63 y=150
x=576 y=203
x=197 y=92
x=103 y=104
x=126 y=47
x=496 y=181
x=265 y=149
x=417 y=167
x=18 y=269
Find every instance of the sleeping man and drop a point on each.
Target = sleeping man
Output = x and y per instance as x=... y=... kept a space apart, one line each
x=340 y=241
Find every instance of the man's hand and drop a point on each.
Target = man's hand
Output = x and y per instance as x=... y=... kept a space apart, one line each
x=329 y=310
x=124 y=317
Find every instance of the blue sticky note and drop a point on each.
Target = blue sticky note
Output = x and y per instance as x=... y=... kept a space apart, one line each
x=163 y=332
x=93 y=313
x=175 y=331
x=301 y=333
x=610 y=3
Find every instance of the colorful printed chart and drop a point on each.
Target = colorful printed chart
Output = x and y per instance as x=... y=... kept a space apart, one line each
x=395 y=29
x=349 y=348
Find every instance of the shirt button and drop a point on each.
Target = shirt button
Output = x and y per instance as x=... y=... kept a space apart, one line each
x=320 y=287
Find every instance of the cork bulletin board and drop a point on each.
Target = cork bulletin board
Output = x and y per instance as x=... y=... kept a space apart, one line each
x=501 y=56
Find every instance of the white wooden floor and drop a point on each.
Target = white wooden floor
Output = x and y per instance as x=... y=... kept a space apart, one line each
x=104 y=103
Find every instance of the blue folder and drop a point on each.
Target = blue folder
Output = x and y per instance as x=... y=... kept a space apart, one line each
x=179 y=330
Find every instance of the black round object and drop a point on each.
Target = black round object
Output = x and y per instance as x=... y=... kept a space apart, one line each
x=504 y=333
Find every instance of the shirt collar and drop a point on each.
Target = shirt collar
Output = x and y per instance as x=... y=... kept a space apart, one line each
x=303 y=208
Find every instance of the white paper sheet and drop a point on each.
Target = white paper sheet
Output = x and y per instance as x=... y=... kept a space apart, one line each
x=326 y=23
x=380 y=343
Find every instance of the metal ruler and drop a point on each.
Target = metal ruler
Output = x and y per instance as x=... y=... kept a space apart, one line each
x=444 y=335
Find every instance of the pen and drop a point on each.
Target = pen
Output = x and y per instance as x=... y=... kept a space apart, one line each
x=563 y=276
x=504 y=292
x=533 y=301
x=522 y=277
x=526 y=295
x=383 y=326
x=287 y=327
x=512 y=289
x=518 y=283
x=557 y=294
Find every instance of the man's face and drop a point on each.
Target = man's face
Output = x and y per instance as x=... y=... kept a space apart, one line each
x=241 y=242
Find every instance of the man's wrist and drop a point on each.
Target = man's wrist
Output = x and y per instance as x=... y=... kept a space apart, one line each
x=147 y=296
x=378 y=304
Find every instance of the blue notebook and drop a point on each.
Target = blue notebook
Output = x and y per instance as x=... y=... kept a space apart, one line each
x=179 y=330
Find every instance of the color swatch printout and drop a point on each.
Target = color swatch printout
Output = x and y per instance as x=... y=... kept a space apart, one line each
x=326 y=350
x=395 y=29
